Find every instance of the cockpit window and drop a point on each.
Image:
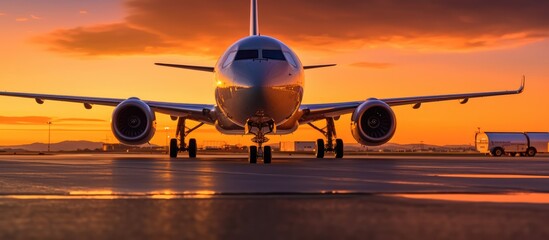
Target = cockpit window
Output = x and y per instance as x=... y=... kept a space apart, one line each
x=230 y=59
x=290 y=59
x=246 y=54
x=273 y=55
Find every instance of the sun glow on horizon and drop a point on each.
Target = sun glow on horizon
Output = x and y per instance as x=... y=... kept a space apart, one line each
x=107 y=49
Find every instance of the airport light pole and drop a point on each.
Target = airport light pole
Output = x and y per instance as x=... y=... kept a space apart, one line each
x=49 y=135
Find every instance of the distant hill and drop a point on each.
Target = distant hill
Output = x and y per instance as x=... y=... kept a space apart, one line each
x=62 y=146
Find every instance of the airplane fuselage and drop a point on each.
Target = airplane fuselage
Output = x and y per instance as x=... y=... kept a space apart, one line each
x=259 y=79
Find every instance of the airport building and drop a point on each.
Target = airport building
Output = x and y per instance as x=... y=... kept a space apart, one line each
x=299 y=146
x=117 y=147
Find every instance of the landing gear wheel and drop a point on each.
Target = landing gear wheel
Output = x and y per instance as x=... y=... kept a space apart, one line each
x=252 y=154
x=531 y=152
x=339 y=148
x=497 y=152
x=173 y=148
x=320 y=148
x=267 y=155
x=192 y=148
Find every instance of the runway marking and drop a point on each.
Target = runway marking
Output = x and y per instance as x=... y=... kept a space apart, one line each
x=481 y=197
x=507 y=176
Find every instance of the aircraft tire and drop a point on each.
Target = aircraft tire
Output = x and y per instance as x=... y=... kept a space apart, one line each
x=339 y=150
x=267 y=154
x=173 y=148
x=320 y=148
x=192 y=148
x=252 y=154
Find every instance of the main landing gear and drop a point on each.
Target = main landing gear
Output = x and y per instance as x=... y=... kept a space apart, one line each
x=258 y=151
x=330 y=133
x=182 y=132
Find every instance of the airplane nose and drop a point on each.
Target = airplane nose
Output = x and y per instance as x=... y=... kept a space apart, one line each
x=262 y=73
x=260 y=88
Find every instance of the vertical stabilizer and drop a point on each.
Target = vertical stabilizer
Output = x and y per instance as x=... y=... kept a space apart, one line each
x=254 y=21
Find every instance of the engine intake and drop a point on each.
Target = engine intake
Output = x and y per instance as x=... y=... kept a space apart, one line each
x=373 y=123
x=133 y=122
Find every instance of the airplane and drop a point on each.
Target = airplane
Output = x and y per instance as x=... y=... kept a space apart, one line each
x=259 y=91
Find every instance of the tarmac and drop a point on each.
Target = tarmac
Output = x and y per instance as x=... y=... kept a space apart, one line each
x=221 y=196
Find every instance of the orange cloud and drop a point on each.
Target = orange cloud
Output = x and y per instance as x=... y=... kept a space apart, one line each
x=79 y=120
x=28 y=120
x=207 y=27
x=110 y=39
x=41 y=120
x=374 y=65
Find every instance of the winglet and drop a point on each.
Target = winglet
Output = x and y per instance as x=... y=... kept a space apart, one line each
x=523 y=83
x=254 y=19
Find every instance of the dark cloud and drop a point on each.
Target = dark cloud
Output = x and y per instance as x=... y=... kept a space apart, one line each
x=207 y=27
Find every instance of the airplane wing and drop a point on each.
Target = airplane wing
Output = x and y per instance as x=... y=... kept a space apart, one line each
x=197 y=112
x=314 y=112
x=188 y=67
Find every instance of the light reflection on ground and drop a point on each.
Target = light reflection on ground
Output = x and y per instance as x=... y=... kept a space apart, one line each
x=207 y=194
x=91 y=193
x=110 y=195
x=508 y=176
x=474 y=197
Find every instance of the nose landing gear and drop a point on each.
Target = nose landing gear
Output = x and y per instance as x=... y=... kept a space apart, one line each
x=258 y=151
x=182 y=132
x=330 y=133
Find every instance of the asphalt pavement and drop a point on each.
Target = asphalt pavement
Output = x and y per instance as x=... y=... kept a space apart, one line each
x=297 y=197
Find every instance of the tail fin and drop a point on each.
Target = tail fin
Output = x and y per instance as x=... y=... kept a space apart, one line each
x=254 y=19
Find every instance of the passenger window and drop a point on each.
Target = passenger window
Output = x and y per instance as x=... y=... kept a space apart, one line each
x=229 y=59
x=290 y=59
x=246 y=54
x=273 y=55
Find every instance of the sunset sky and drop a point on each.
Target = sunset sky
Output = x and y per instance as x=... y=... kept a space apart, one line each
x=398 y=48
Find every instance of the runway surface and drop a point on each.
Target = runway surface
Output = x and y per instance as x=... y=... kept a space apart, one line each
x=296 y=197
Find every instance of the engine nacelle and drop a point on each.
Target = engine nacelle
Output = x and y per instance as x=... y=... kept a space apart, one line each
x=133 y=122
x=373 y=123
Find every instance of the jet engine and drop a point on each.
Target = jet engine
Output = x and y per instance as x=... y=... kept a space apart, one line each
x=373 y=123
x=133 y=122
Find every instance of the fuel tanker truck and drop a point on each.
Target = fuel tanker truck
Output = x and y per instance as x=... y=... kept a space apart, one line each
x=512 y=143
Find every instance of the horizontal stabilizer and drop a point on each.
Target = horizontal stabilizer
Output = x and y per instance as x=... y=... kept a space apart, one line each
x=189 y=67
x=319 y=66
